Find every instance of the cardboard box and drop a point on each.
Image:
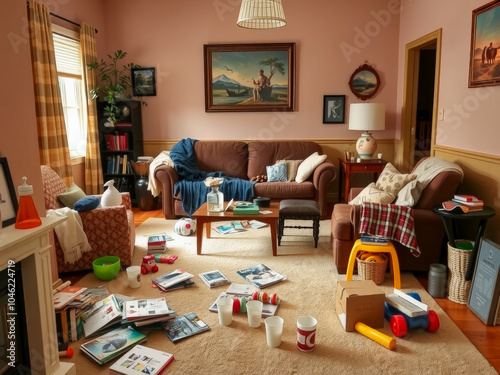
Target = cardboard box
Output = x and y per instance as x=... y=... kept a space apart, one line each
x=360 y=301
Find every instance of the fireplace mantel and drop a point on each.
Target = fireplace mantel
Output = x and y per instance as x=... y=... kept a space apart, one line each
x=32 y=248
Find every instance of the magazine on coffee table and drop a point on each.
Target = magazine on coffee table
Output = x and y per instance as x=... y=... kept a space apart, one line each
x=261 y=276
x=184 y=326
x=142 y=360
x=268 y=309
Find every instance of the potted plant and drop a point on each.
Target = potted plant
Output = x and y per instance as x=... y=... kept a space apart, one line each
x=114 y=82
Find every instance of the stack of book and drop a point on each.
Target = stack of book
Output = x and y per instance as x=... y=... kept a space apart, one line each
x=176 y=279
x=214 y=278
x=158 y=243
x=146 y=311
x=470 y=201
x=110 y=345
x=368 y=239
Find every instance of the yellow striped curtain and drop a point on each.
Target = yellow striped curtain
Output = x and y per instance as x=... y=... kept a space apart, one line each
x=52 y=139
x=93 y=170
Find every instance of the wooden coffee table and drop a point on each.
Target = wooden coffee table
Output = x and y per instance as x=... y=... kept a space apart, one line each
x=204 y=217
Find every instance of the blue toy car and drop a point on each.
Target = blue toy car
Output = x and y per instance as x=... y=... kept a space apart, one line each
x=400 y=322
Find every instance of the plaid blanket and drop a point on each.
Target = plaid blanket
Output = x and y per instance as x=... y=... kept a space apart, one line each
x=391 y=221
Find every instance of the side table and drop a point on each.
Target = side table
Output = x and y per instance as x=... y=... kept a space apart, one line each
x=347 y=167
x=450 y=225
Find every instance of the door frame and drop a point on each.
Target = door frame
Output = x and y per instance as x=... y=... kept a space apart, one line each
x=404 y=151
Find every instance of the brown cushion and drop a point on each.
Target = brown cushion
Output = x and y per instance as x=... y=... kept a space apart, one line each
x=391 y=181
x=281 y=190
x=230 y=157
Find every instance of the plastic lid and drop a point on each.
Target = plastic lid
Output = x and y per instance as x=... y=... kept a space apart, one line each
x=25 y=189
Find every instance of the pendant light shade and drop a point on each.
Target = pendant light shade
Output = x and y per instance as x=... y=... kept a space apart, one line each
x=261 y=14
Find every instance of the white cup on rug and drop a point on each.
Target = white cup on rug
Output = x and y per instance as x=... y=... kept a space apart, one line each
x=274 y=329
x=306 y=333
x=134 y=276
x=225 y=311
x=254 y=312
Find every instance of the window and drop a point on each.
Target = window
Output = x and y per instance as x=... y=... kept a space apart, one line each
x=71 y=83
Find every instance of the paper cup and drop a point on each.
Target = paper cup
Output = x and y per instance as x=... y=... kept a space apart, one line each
x=134 y=276
x=274 y=329
x=225 y=311
x=254 y=312
x=306 y=333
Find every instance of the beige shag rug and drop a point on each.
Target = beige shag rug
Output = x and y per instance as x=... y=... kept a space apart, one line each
x=309 y=290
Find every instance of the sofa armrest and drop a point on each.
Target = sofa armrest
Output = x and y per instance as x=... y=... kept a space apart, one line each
x=126 y=200
x=167 y=176
x=322 y=176
x=354 y=193
x=355 y=221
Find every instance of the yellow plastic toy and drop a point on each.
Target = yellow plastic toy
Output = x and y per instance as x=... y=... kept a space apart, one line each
x=377 y=336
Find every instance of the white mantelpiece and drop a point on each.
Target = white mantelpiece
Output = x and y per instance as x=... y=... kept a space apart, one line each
x=32 y=248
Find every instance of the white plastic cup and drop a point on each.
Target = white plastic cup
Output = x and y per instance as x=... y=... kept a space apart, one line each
x=134 y=276
x=306 y=333
x=254 y=312
x=274 y=329
x=225 y=311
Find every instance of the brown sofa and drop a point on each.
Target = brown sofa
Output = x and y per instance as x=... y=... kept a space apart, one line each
x=429 y=228
x=246 y=160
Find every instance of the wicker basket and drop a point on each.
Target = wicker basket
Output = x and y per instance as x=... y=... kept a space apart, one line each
x=458 y=261
x=372 y=270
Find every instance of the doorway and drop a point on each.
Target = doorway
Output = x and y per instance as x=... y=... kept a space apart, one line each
x=419 y=117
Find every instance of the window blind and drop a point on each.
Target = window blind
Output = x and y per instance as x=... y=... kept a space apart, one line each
x=68 y=55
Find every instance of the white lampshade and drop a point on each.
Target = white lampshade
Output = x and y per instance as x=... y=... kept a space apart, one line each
x=366 y=117
x=261 y=14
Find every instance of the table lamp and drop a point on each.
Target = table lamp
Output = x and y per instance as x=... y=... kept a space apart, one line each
x=366 y=117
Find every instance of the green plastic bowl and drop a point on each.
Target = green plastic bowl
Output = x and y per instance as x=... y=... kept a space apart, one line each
x=106 y=268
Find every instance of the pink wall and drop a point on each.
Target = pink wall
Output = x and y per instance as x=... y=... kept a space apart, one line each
x=170 y=35
x=471 y=114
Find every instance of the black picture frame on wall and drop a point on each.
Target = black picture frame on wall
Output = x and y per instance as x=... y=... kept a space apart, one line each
x=333 y=109
x=8 y=200
x=143 y=82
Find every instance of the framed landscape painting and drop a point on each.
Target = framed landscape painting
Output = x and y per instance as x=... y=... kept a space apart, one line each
x=484 y=69
x=249 y=77
x=143 y=82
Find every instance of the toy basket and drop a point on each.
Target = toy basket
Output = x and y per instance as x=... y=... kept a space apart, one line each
x=458 y=261
x=372 y=270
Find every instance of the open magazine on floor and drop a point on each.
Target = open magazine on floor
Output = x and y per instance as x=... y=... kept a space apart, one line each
x=261 y=276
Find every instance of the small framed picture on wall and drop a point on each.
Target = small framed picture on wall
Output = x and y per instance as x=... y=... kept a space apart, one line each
x=8 y=199
x=333 y=109
x=143 y=82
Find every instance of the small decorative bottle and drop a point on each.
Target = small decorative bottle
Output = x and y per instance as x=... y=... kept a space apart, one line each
x=215 y=200
x=27 y=216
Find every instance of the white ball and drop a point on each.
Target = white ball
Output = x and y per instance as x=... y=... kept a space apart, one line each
x=185 y=226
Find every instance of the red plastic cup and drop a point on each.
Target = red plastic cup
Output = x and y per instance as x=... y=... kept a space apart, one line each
x=306 y=333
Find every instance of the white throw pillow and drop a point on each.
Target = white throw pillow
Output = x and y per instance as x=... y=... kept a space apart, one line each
x=307 y=167
x=372 y=194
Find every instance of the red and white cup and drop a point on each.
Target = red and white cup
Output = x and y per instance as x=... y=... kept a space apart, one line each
x=306 y=333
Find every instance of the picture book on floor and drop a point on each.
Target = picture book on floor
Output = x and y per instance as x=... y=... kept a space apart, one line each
x=146 y=309
x=142 y=360
x=214 y=278
x=172 y=278
x=268 y=309
x=104 y=314
x=261 y=276
x=184 y=326
x=110 y=345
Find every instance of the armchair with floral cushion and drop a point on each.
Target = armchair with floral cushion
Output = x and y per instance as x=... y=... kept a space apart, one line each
x=109 y=230
x=431 y=182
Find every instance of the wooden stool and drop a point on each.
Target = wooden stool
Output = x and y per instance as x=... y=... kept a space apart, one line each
x=389 y=248
x=299 y=209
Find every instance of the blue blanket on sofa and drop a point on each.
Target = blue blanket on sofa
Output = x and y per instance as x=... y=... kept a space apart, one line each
x=191 y=186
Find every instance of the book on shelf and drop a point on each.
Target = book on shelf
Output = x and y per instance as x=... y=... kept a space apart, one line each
x=268 y=309
x=123 y=124
x=142 y=360
x=466 y=198
x=184 y=326
x=170 y=279
x=368 y=239
x=459 y=208
x=146 y=309
x=261 y=276
x=103 y=315
x=214 y=278
x=104 y=348
x=67 y=295
x=183 y=284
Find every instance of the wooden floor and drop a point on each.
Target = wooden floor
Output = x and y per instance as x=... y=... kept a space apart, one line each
x=485 y=338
